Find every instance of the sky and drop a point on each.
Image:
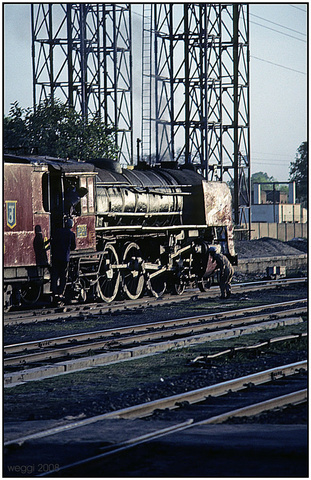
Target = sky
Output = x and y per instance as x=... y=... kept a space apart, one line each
x=278 y=78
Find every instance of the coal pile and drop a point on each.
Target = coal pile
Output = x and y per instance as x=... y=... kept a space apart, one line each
x=270 y=247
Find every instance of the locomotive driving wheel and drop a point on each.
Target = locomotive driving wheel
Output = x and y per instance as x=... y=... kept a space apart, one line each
x=109 y=274
x=7 y=297
x=133 y=274
x=157 y=285
x=179 y=280
x=178 y=288
x=30 y=293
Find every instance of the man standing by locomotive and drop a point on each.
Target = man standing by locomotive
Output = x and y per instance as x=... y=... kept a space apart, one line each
x=226 y=272
x=62 y=243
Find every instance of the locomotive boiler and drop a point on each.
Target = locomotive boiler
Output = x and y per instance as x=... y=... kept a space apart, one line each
x=136 y=230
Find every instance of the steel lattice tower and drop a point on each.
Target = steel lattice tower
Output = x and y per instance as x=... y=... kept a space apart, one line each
x=200 y=81
x=82 y=55
x=195 y=80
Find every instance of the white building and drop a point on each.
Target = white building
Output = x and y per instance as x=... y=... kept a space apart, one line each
x=290 y=212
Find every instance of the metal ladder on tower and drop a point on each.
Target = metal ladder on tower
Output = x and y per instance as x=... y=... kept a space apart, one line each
x=146 y=82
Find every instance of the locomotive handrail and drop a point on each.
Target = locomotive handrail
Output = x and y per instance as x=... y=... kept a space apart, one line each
x=160 y=192
x=148 y=190
x=140 y=227
x=110 y=184
x=169 y=194
x=143 y=187
x=137 y=214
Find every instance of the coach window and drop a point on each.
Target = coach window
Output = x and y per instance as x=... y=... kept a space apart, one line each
x=46 y=192
x=72 y=196
x=87 y=201
x=90 y=187
x=83 y=199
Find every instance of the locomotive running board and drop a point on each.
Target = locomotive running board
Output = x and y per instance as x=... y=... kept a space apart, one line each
x=150 y=228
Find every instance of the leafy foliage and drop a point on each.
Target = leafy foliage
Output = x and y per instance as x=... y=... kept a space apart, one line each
x=57 y=130
x=262 y=177
x=298 y=171
x=14 y=128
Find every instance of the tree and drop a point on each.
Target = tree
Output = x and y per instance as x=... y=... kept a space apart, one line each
x=298 y=172
x=261 y=177
x=57 y=130
x=15 y=130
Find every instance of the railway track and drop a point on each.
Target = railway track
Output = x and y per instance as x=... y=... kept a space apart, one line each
x=54 y=356
x=249 y=395
x=80 y=310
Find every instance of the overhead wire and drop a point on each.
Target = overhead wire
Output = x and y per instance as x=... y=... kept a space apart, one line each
x=258 y=158
x=277 y=31
x=259 y=161
x=278 y=65
x=295 y=6
x=277 y=24
x=269 y=153
x=281 y=33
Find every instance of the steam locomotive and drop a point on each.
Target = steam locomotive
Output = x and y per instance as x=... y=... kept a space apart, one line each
x=137 y=229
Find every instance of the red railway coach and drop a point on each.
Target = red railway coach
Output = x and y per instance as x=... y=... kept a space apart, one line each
x=38 y=193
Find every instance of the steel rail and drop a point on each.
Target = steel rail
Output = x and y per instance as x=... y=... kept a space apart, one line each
x=72 y=365
x=293 y=398
x=116 y=332
x=74 y=311
x=201 y=394
x=172 y=402
x=135 y=338
x=289 y=399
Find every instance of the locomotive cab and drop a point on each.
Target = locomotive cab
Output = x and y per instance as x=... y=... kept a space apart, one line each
x=39 y=194
x=68 y=192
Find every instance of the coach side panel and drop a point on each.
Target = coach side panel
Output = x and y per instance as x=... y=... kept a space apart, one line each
x=23 y=210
